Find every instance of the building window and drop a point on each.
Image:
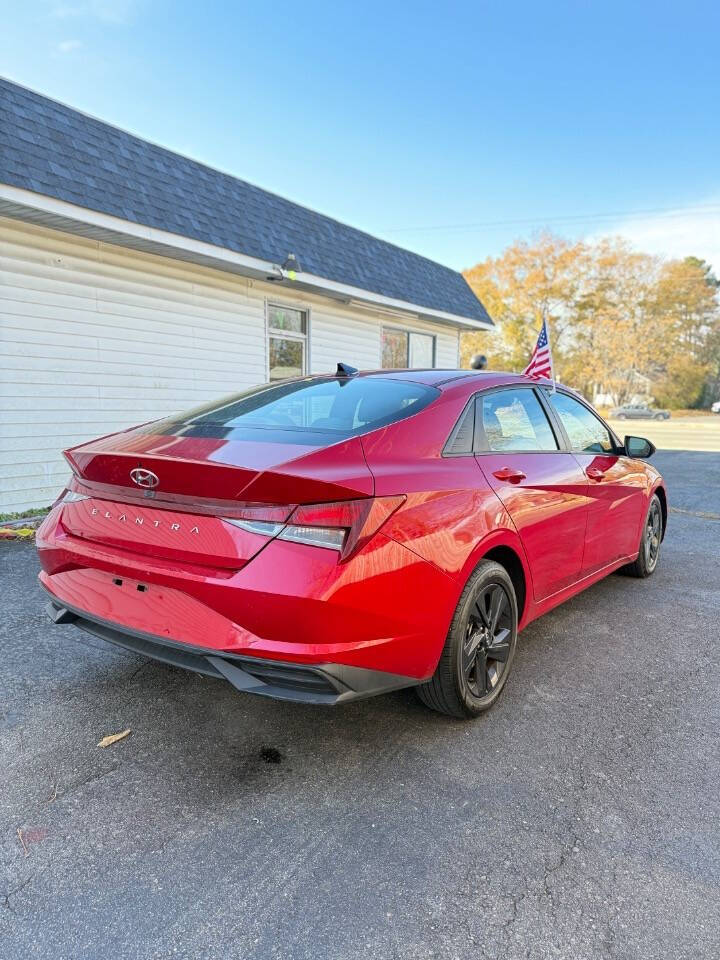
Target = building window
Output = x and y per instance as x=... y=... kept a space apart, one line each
x=287 y=342
x=402 y=348
x=421 y=350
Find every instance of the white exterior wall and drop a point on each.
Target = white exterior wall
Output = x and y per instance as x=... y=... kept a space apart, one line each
x=95 y=338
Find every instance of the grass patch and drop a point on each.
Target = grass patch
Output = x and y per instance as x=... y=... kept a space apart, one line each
x=34 y=512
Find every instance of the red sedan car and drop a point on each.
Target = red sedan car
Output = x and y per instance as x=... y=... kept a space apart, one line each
x=336 y=537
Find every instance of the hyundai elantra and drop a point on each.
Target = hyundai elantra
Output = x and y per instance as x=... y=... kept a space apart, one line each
x=335 y=537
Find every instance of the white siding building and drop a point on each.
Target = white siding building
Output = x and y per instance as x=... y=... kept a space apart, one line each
x=107 y=320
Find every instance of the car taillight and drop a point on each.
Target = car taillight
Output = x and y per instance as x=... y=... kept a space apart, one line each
x=266 y=520
x=345 y=526
x=69 y=496
x=331 y=537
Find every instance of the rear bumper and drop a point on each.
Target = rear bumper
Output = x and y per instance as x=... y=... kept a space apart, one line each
x=385 y=611
x=327 y=684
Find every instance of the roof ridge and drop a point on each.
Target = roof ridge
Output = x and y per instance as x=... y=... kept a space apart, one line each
x=224 y=173
x=108 y=168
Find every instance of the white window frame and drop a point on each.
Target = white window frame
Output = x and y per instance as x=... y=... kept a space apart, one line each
x=408 y=331
x=303 y=338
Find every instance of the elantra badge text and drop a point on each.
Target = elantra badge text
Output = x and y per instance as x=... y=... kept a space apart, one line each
x=122 y=518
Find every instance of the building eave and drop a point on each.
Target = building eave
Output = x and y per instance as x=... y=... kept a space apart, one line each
x=37 y=208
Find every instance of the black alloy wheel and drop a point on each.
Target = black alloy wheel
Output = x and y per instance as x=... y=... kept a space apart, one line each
x=486 y=649
x=480 y=646
x=652 y=536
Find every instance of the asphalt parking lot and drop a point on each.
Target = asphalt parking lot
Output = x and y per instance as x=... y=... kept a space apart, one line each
x=694 y=432
x=579 y=819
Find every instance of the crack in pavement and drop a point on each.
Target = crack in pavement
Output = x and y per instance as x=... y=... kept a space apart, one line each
x=90 y=778
x=11 y=893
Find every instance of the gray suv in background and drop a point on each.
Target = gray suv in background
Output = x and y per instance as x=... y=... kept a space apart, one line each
x=639 y=411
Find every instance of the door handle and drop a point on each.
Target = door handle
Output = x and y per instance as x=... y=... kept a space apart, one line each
x=595 y=473
x=509 y=474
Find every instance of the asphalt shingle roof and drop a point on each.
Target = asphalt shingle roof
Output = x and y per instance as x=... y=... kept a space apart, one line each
x=51 y=149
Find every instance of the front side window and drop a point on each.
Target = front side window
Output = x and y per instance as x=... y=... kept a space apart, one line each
x=585 y=432
x=287 y=342
x=514 y=420
x=404 y=348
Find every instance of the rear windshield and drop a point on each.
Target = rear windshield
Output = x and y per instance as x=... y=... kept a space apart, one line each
x=335 y=407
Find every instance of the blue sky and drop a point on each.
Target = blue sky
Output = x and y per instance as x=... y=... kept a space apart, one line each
x=449 y=128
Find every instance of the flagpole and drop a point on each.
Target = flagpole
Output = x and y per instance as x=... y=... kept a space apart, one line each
x=552 y=363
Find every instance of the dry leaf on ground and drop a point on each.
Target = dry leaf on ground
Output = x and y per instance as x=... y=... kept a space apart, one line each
x=113 y=738
x=21 y=837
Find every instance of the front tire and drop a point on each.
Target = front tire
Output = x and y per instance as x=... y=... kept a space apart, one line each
x=480 y=646
x=647 y=558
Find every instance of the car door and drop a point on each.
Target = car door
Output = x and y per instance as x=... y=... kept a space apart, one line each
x=541 y=485
x=617 y=484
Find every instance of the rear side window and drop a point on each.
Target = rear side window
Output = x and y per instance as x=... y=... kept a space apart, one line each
x=460 y=441
x=514 y=420
x=585 y=432
x=333 y=406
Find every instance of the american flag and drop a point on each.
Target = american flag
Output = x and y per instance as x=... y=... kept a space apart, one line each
x=541 y=361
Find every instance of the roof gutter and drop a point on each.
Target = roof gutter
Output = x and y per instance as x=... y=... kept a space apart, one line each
x=38 y=208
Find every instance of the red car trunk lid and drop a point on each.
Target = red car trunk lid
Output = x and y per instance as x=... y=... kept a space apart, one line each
x=197 y=481
x=201 y=468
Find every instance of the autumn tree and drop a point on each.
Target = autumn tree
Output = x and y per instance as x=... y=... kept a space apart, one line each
x=618 y=341
x=620 y=320
x=531 y=282
x=686 y=302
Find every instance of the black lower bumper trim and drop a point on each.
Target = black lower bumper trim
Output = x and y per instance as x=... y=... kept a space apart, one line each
x=327 y=683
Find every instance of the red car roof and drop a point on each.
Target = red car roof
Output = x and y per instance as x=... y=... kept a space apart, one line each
x=447 y=379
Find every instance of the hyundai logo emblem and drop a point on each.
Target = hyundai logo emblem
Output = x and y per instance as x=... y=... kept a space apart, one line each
x=144 y=478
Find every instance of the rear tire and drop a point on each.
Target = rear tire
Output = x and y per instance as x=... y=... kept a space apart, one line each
x=647 y=558
x=480 y=646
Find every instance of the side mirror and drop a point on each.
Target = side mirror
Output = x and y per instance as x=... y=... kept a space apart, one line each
x=639 y=448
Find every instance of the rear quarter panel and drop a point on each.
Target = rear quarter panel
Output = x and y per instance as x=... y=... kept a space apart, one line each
x=451 y=518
